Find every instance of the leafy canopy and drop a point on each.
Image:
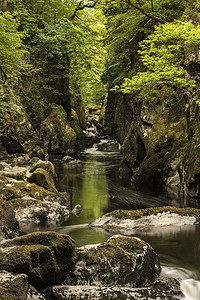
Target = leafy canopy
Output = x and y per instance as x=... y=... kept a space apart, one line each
x=11 y=47
x=165 y=57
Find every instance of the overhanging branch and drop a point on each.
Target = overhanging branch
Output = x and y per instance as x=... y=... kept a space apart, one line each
x=82 y=6
x=142 y=10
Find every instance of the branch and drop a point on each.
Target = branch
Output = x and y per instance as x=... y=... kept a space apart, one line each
x=3 y=74
x=144 y=11
x=82 y=7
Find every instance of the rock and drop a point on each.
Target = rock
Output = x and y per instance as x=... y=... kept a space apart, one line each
x=47 y=166
x=29 y=202
x=66 y=159
x=121 y=261
x=13 y=286
x=57 y=135
x=133 y=221
x=105 y=293
x=42 y=178
x=108 y=146
x=46 y=257
x=33 y=294
x=18 y=173
x=77 y=210
x=11 y=144
x=90 y=139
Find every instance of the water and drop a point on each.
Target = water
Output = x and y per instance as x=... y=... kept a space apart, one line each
x=97 y=187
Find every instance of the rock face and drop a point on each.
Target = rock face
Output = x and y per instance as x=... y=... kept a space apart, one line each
x=133 y=221
x=160 y=140
x=45 y=257
x=121 y=261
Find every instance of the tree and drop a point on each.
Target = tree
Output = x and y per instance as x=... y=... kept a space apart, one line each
x=12 y=52
x=165 y=57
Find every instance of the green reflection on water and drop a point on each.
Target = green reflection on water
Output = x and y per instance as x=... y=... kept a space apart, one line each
x=89 y=188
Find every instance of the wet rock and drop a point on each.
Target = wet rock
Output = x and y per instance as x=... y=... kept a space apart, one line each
x=90 y=139
x=108 y=146
x=133 y=221
x=105 y=293
x=13 y=286
x=121 y=261
x=77 y=210
x=46 y=257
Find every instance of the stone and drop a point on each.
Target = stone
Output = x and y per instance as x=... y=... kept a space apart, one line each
x=42 y=178
x=120 y=261
x=130 y=222
x=47 y=166
x=13 y=286
x=11 y=144
x=105 y=293
x=45 y=257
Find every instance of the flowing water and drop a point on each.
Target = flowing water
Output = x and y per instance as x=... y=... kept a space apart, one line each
x=97 y=187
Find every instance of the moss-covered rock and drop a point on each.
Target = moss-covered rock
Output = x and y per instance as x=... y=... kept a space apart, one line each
x=130 y=222
x=121 y=261
x=42 y=178
x=45 y=257
x=13 y=286
x=17 y=134
x=45 y=165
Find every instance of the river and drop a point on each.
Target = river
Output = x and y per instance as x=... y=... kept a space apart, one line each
x=96 y=186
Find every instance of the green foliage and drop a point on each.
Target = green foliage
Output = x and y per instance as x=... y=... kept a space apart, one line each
x=127 y=27
x=12 y=52
x=165 y=56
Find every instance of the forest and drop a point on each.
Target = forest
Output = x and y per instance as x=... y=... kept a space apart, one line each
x=99 y=144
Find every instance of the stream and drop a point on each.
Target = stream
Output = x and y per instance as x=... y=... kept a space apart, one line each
x=95 y=185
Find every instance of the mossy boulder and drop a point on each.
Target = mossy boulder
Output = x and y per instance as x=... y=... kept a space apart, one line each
x=46 y=257
x=13 y=286
x=17 y=134
x=47 y=166
x=23 y=201
x=60 y=132
x=41 y=177
x=130 y=222
x=121 y=261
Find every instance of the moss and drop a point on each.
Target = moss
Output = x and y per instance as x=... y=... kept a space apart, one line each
x=45 y=257
x=42 y=178
x=137 y=214
x=15 y=124
x=69 y=138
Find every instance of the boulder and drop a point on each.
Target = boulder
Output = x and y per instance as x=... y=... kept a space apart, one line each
x=13 y=286
x=42 y=178
x=168 y=292
x=30 y=202
x=121 y=261
x=130 y=222
x=45 y=257
x=47 y=166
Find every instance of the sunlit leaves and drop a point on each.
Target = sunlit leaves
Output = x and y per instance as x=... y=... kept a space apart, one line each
x=164 y=55
x=12 y=53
